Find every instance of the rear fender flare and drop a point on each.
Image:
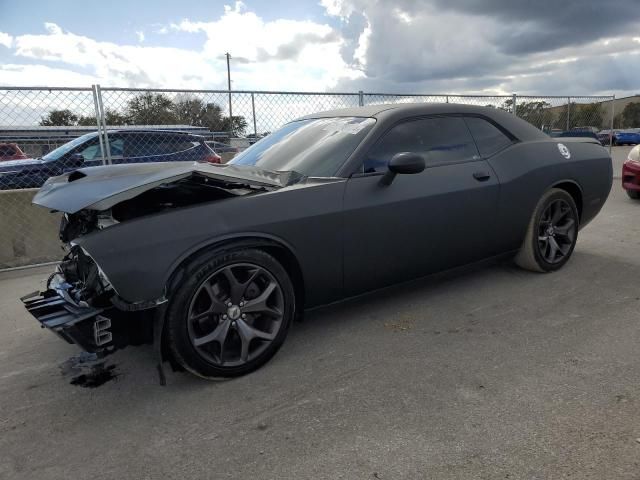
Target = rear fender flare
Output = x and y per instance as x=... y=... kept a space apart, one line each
x=559 y=183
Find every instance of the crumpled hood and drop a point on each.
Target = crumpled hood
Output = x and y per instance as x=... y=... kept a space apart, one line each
x=100 y=188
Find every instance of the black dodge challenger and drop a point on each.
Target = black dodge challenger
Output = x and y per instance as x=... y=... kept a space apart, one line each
x=213 y=262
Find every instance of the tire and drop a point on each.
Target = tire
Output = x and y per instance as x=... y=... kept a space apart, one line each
x=633 y=194
x=226 y=300
x=552 y=233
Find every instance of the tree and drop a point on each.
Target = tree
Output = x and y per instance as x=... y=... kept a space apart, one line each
x=536 y=113
x=64 y=118
x=587 y=115
x=150 y=109
x=111 y=118
x=631 y=115
x=561 y=120
x=237 y=126
x=618 y=121
x=190 y=110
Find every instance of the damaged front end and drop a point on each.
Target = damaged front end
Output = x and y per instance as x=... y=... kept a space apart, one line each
x=76 y=304
x=80 y=303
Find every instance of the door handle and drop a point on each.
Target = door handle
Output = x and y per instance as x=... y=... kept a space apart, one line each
x=481 y=176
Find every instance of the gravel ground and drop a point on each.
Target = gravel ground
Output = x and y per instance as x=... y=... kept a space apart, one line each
x=493 y=373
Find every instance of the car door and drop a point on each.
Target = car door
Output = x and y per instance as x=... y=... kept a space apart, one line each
x=421 y=223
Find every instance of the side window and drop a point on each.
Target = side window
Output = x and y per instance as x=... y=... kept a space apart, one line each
x=116 y=146
x=92 y=152
x=489 y=138
x=147 y=145
x=137 y=145
x=173 y=144
x=439 y=139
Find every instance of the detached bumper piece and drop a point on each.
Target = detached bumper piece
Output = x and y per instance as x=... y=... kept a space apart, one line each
x=82 y=325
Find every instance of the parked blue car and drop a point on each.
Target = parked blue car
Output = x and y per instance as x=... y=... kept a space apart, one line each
x=127 y=146
x=626 y=137
x=575 y=133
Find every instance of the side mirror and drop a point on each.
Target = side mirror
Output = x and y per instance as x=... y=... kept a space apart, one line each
x=403 y=163
x=75 y=160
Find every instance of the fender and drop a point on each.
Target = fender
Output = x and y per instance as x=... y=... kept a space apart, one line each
x=238 y=239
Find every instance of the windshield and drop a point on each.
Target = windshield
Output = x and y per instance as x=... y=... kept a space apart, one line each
x=67 y=147
x=316 y=147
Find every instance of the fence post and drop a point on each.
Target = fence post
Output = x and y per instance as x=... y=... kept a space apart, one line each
x=514 y=100
x=104 y=124
x=447 y=101
x=361 y=98
x=97 y=110
x=230 y=106
x=253 y=111
x=613 y=109
x=568 y=111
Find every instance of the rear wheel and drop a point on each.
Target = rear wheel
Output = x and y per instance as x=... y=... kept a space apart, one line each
x=552 y=233
x=231 y=314
x=635 y=194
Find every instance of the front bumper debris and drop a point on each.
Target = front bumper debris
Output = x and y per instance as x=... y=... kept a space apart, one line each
x=77 y=323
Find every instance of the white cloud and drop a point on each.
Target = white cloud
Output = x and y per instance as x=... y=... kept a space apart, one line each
x=42 y=75
x=52 y=28
x=453 y=46
x=274 y=54
x=402 y=15
x=338 y=8
x=116 y=65
x=6 y=40
x=408 y=46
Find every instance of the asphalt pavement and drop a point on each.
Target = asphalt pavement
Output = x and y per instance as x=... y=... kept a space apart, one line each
x=492 y=373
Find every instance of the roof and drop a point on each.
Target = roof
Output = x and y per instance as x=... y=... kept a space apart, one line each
x=148 y=130
x=390 y=113
x=419 y=108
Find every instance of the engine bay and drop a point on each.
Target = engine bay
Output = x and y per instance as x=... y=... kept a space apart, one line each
x=189 y=191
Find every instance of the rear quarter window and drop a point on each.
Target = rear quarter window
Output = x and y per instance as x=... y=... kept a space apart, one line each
x=148 y=145
x=489 y=138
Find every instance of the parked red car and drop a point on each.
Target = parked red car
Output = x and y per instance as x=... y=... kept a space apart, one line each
x=631 y=173
x=11 y=151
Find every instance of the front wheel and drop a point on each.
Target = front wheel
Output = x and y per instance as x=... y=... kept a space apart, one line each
x=552 y=233
x=231 y=314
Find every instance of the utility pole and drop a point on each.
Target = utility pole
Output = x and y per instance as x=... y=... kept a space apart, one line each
x=229 y=83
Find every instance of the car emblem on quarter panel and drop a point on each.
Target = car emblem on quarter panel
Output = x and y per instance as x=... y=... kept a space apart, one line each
x=564 y=151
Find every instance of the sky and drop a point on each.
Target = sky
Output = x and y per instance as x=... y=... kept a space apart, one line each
x=535 y=47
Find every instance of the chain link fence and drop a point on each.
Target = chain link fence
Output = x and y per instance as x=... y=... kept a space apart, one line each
x=47 y=131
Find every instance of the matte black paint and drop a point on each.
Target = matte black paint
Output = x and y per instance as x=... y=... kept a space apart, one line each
x=350 y=234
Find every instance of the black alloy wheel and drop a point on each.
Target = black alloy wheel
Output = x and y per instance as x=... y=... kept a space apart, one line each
x=557 y=229
x=229 y=312
x=235 y=314
x=552 y=233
